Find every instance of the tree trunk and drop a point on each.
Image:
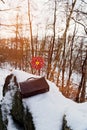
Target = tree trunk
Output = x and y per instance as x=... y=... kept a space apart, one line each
x=30 y=24
x=82 y=86
x=52 y=45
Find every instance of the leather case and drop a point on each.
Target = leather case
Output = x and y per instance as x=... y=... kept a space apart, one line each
x=33 y=86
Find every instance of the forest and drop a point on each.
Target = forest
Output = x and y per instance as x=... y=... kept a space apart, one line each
x=55 y=30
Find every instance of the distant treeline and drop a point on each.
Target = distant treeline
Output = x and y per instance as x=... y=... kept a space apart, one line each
x=18 y=53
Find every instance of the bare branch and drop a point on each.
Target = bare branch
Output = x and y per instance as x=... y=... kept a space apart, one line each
x=85 y=29
x=78 y=11
x=3 y=1
x=13 y=25
x=11 y=9
x=84 y=1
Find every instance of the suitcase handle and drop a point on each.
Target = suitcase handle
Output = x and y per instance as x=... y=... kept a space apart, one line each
x=32 y=78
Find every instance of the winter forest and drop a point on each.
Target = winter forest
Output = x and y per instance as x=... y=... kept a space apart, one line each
x=55 y=30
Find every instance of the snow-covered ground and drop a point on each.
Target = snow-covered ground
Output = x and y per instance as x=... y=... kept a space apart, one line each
x=49 y=108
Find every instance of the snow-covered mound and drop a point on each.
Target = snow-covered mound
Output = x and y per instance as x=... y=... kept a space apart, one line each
x=48 y=109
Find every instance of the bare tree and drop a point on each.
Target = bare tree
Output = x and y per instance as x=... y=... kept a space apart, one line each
x=64 y=41
x=30 y=24
x=82 y=86
x=53 y=41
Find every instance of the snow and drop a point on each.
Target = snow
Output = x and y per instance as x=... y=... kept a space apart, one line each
x=6 y=105
x=46 y=106
x=77 y=119
x=11 y=125
x=76 y=77
x=49 y=108
x=3 y=74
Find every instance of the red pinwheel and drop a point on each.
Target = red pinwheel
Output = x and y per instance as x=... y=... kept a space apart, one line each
x=37 y=62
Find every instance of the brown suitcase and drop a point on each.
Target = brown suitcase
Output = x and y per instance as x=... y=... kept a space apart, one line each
x=33 y=86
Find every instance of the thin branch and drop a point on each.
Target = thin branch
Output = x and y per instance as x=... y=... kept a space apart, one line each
x=10 y=25
x=80 y=24
x=3 y=1
x=11 y=9
x=78 y=11
x=84 y=1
